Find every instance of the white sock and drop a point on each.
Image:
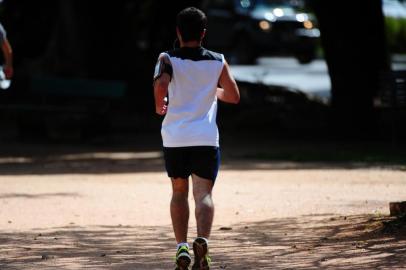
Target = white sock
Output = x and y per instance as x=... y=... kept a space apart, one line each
x=205 y=239
x=182 y=244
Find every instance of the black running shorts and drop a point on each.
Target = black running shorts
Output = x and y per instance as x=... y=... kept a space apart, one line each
x=203 y=161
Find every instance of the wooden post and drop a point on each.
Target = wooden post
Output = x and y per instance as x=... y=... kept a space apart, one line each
x=397 y=208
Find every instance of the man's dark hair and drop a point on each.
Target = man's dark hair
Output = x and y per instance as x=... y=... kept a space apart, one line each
x=191 y=22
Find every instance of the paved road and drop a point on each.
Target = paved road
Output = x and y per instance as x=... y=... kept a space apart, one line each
x=311 y=79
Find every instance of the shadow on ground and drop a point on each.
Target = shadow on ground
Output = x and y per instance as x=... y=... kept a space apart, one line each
x=308 y=242
x=239 y=152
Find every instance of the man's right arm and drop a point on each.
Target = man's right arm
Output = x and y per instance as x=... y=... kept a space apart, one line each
x=7 y=52
x=8 y=59
x=162 y=78
x=229 y=90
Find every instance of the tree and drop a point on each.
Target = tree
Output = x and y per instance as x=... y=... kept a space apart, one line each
x=353 y=39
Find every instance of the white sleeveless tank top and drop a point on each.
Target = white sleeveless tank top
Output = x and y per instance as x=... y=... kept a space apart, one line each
x=192 y=109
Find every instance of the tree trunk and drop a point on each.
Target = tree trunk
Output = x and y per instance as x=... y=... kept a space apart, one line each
x=354 y=43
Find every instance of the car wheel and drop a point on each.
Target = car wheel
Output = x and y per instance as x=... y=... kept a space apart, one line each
x=305 y=57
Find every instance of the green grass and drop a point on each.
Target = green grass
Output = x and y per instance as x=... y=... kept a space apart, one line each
x=396 y=34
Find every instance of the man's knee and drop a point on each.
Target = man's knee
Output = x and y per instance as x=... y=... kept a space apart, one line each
x=200 y=193
x=180 y=189
x=180 y=185
x=201 y=187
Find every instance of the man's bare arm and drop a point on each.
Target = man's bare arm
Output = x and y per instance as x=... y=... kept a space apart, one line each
x=8 y=59
x=229 y=90
x=160 y=92
x=161 y=84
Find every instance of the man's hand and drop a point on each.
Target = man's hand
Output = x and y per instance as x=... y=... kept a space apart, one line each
x=162 y=108
x=162 y=111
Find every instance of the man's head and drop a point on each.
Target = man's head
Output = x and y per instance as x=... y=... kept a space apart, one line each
x=191 y=24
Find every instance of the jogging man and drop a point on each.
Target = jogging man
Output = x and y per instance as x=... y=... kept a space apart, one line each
x=186 y=91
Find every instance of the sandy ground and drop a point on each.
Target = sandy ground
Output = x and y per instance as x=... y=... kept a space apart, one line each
x=80 y=212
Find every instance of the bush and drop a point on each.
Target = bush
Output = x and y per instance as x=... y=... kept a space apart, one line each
x=396 y=34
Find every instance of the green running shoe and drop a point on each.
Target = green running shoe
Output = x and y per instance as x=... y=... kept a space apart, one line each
x=201 y=251
x=183 y=258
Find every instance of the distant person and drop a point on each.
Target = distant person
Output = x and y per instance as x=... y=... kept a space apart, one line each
x=186 y=92
x=8 y=54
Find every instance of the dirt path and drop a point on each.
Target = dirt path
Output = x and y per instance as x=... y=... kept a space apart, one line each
x=268 y=216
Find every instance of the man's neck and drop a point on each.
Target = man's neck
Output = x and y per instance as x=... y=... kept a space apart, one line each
x=191 y=44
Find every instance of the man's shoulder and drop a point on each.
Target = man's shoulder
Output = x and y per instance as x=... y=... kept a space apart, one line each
x=198 y=54
x=213 y=55
x=3 y=33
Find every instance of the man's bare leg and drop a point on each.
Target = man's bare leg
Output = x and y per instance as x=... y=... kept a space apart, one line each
x=204 y=210
x=180 y=209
